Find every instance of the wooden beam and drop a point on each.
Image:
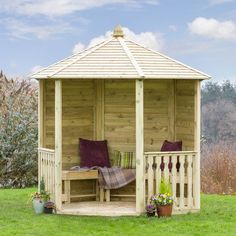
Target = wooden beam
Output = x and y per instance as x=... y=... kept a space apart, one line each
x=140 y=178
x=40 y=125
x=99 y=103
x=196 y=161
x=58 y=143
x=41 y=114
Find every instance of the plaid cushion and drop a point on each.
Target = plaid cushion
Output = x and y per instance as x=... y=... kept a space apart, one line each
x=124 y=160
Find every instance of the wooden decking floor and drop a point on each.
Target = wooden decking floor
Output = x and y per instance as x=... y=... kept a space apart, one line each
x=94 y=208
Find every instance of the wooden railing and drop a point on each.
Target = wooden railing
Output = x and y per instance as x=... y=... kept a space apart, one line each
x=176 y=168
x=46 y=169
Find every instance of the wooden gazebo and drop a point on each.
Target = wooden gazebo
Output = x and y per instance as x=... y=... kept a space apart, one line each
x=133 y=97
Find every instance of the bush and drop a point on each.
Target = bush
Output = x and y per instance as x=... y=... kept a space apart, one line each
x=218 y=166
x=18 y=132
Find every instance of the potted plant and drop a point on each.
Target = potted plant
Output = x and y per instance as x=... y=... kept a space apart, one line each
x=39 y=198
x=150 y=210
x=163 y=200
x=38 y=202
x=48 y=207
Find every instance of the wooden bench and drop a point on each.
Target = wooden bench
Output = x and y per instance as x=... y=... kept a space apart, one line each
x=121 y=159
x=69 y=175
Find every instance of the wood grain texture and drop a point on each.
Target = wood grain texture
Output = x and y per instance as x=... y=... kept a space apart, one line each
x=78 y=115
x=185 y=102
x=58 y=142
x=140 y=169
x=119 y=115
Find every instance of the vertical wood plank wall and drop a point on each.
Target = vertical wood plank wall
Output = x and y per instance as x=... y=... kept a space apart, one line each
x=77 y=117
x=119 y=108
x=184 y=123
x=157 y=115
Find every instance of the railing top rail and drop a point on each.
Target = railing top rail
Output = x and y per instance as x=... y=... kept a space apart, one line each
x=169 y=153
x=46 y=150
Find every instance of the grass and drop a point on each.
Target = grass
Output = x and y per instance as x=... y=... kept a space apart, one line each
x=217 y=217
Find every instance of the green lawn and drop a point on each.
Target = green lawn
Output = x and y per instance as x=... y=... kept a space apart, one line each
x=217 y=217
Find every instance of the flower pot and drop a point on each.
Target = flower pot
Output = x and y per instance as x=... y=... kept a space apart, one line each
x=48 y=210
x=38 y=205
x=151 y=214
x=164 y=211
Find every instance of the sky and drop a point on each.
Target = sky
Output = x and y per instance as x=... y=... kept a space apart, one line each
x=199 y=33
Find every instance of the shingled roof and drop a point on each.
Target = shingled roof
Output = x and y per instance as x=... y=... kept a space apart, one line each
x=119 y=58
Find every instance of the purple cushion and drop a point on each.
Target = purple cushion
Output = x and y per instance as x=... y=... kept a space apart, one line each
x=171 y=146
x=93 y=153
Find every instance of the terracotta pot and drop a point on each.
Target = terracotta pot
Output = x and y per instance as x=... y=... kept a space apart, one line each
x=164 y=211
x=151 y=214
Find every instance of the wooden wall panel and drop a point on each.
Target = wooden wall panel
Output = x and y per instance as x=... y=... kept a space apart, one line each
x=119 y=118
x=77 y=117
x=157 y=116
x=185 y=113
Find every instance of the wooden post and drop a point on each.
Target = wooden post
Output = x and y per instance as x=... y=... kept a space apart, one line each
x=58 y=142
x=40 y=126
x=140 y=178
x=196 y=161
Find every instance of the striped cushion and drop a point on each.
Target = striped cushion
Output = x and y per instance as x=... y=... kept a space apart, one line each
x=124 y=160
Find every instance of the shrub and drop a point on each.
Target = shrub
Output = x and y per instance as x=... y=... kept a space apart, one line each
x=18 y=132
x=218 y=169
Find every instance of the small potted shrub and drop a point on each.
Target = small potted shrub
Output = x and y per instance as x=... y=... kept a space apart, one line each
x=163 y=200
x=39 y=198
x=150 y=210
x=48 y=207
x=38 y=202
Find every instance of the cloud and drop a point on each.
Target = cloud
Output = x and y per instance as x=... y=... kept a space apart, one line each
x=151 y=40
x=219 y=2
x=212 y=28
x=50 y=17
x=52 y=8
x=20 y=29
x=79 y=47
x=35 y=69
x=172 y=27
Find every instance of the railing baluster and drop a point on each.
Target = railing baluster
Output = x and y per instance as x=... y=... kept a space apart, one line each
x=166 y=168
x=190 y=181
x=150 y=177
x=158 y=173
x=181 y=181
x=173 y=176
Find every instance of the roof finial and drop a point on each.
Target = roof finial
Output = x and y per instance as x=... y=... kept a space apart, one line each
x=118 y=32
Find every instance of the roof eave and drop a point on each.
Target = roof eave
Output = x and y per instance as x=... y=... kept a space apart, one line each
x=203 y=77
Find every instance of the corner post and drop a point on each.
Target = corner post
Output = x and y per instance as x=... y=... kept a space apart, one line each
x=140 y=178
x=40 y=126
x=41 y=114
x=58 y=143
x=196 y=166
